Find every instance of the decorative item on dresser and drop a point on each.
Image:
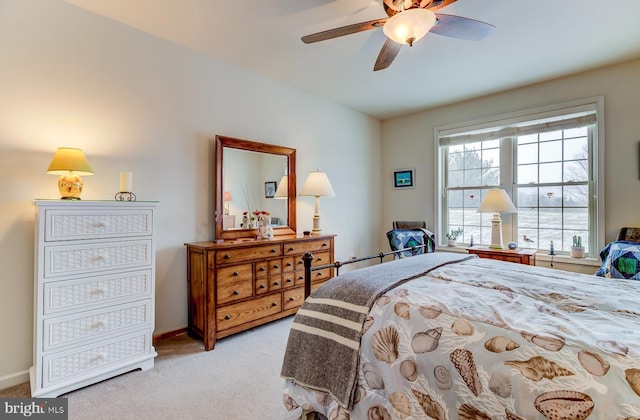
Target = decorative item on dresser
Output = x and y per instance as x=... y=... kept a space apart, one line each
x=94 y=292
x=239 y=284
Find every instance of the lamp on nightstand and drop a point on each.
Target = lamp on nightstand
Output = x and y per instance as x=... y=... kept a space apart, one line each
x=69 y=163
x=317 y=185
x=496 y=201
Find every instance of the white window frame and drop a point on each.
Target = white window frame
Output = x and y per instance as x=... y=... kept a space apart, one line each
x=596 y=213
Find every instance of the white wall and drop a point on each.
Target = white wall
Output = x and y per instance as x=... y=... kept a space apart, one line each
x=135 y=103
x=408 y=142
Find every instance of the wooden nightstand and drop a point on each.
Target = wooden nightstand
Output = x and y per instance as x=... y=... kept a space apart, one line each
x=518 y=255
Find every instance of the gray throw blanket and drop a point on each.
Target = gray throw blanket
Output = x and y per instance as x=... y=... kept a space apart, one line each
x=324 y=341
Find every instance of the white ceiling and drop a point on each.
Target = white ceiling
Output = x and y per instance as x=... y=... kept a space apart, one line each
x=533 y=41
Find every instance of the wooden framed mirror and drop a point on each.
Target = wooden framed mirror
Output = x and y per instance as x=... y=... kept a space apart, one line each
x=247 y=176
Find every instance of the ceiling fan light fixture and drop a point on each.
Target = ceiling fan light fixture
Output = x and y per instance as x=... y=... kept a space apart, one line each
x=409 y=26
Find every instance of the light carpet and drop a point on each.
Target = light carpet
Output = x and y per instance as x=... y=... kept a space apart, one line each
x=239 y=379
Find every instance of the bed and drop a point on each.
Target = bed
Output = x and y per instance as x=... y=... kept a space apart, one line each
x=446 y=336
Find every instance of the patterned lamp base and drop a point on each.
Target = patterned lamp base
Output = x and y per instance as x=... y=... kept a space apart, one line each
x=70 y=187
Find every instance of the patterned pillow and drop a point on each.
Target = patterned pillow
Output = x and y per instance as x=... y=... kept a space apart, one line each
x=407 y=238
x=620 y=260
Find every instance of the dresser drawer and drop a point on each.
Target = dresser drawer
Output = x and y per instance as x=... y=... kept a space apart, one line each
x=229 y=291
x=80 y=363
x=317 y=275
x=243 y=312
x=293 y=298
x=65 y=260
x=288 y=264
x=70 y=329
x=268 y=284
x=319 y=258
x=96 y=291
x=268 y=267
x=231 y=256
x=300 y=247
x=64 y=225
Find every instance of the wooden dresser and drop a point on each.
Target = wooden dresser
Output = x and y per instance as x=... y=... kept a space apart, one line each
x=239 y=284
x=520 y=255
x=94 y=292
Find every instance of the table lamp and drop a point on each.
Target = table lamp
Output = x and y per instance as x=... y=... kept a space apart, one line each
x=69 y=163
x=227 y=199
x=496 y=201
x=282 y=190
x=317 y=185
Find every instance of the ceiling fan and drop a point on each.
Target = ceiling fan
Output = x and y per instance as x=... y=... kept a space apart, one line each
x=407 y=21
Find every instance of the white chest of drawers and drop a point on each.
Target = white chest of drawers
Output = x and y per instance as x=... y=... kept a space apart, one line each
x=94 y=292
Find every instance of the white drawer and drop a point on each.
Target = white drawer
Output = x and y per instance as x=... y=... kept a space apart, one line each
x=94 y=359
x=92 y=292
x=83 y=258
x=64 y=225
x=70 y=329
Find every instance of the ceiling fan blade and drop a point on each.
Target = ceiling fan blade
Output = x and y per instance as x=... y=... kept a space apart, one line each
x=344 y=30
x=438 y=4
x=387 y=54
x=461 y=27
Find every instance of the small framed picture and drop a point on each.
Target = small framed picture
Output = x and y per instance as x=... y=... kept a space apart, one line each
x=404 y=178
x=270 y=189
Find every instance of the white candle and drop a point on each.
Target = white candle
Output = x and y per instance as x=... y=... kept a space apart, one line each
x=126 y=182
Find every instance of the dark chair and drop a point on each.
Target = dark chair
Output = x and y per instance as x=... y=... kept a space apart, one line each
x=407 y=238
x=404 y=224
x=631 y=234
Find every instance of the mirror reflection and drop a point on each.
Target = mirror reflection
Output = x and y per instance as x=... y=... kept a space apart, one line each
x=251 y=180
x=247 y=177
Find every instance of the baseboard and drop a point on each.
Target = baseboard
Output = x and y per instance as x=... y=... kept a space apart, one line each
x=169 y=334
x=14 y=379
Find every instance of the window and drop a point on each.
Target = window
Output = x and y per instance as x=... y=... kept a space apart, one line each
x=546 y=160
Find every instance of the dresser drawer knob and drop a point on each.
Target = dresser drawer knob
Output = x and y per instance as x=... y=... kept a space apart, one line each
x=289 y=280
x=236 y=293
x=262 y=286
x=319 y=259
x=273 y=304
x=291 y=299
x=318 y=274
x=300 y=277
x=324 y=245
x=288 y=264
x=227 y=317
x=226 y=256
x=291 y=248
x=236 y=274
x=261 y=269
x=276 y=283
x=273 y=250
x=276 y=266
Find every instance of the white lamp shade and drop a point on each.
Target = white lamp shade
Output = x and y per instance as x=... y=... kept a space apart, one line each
x=409 y=26
x=496 y=200
x=227 y=196
x=317 y=185
x=282 y=190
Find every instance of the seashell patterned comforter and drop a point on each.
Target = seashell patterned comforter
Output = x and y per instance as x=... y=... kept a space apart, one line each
x=486 y=339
